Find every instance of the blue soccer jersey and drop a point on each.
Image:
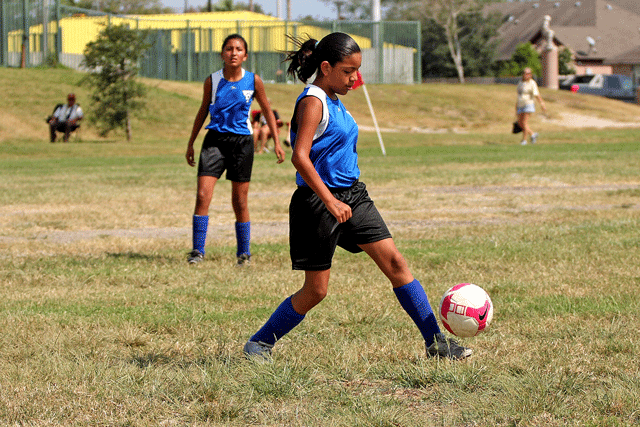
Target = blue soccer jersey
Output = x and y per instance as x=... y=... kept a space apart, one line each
x=333 y=151
x=231 y=103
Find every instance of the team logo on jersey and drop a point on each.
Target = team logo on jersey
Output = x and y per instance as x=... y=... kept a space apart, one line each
x=248 y=94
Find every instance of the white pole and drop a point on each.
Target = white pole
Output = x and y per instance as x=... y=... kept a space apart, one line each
x=375 y=122
x=376 y=13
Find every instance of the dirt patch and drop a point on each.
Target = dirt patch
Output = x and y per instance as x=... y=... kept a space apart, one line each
x=262 y=231
x=581 y=121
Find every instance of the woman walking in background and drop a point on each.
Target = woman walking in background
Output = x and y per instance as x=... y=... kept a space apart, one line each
x=525 y=105
x=228 y=144
x=331 y=207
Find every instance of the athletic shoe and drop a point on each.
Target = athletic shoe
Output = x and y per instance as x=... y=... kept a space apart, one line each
x=244 y=260
x=524 y=142
x=259 y=350
x=534 y=138
x=195 y=256
x=449 y=348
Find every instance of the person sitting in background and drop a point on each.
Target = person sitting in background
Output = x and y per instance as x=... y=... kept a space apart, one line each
x=262 y=133
x=65 y=118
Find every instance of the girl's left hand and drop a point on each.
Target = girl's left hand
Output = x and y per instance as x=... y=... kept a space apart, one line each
x=190 y=156
x=279 y=153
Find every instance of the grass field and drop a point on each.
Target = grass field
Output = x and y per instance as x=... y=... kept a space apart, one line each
x=105 y=324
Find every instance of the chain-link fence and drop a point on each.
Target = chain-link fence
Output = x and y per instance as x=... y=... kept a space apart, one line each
x=187 y=46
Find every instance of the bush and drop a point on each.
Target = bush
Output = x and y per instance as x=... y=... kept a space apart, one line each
x=525 y=56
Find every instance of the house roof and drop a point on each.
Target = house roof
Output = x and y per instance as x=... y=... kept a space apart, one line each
x=629 y=57
x=614 y=25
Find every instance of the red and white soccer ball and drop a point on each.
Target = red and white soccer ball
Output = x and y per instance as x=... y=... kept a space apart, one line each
x=466 y=310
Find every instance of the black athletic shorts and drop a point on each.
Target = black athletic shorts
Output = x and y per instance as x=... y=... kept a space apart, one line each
x=314 y=232
x=228 y=151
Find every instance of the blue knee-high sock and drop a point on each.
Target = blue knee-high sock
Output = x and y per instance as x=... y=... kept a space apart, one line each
x=284 y=319
x=415 y=302
x=200 y=224
x=243 y=237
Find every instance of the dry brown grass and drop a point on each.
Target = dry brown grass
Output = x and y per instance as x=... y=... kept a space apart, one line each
x=104 y=323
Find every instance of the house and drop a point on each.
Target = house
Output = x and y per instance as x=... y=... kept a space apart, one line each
x=603 y=35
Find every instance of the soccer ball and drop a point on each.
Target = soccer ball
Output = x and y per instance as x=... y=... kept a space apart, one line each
x=466 y=310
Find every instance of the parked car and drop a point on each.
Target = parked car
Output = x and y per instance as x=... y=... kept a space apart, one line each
x=616 y=86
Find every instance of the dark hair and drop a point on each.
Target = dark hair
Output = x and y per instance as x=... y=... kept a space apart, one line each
x=333 y=48
x=232 y=37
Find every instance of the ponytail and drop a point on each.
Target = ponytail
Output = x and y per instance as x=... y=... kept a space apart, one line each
x=305 y=61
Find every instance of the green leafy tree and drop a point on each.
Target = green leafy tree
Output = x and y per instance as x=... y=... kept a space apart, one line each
x=138 y=7
x=565 y=59
x=229 y=6
x=477 y=39
x=353 y=9
x=446 y=13
x=112 y=61
x=525 y=56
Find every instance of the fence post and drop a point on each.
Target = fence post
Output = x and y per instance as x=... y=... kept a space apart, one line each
x=58 y=31
x=4 y=50
x=418 y=61
x=252 y=55
x=45 y=31
x=188 y=50
x=24 y=60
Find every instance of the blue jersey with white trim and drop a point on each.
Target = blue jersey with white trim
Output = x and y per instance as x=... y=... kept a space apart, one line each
x=333 y=151
x=231 y=103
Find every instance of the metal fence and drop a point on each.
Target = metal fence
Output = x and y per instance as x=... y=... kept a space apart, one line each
x=187 y=47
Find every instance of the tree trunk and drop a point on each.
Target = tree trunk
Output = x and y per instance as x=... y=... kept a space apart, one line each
x=451 y=29
x=128 y=124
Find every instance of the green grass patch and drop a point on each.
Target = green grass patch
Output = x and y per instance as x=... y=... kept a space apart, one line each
x=104 y=323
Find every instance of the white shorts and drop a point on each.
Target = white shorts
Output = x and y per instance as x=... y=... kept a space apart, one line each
x=529 y=108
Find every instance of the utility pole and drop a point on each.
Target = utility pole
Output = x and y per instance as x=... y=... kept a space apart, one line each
x=339 y=4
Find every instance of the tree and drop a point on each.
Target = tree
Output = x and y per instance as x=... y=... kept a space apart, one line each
x=477 y=39
x=121 y=6
x=447 y=14
x=112 y=61
x=357 y=9
x=565 y=58
x=525 y=56
x=228 y=6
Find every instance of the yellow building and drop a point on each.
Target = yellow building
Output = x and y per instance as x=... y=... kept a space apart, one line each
x=187 y=46
x=263 y=32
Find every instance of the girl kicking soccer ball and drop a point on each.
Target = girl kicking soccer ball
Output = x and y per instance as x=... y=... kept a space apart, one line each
x=228 y=95
x=330 y=206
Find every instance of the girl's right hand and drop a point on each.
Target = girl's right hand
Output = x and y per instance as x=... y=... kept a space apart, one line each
x=190 y=156
x=340 y=210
